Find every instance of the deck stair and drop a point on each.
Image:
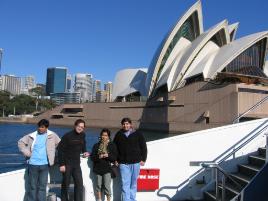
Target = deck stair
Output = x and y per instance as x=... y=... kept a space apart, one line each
x=236 y=181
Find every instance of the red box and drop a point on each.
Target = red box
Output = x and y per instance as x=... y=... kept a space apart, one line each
x=148 y=180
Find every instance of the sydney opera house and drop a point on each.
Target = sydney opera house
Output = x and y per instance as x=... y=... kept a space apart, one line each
x=189 y=54
x=197 y=79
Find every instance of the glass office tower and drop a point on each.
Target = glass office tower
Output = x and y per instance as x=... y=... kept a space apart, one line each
x=56 y=80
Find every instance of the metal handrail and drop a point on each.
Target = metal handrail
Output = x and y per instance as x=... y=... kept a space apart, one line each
x=199 y=163
x=225 y=175
x=215 y=165
x=236 y=120
x=243 y=144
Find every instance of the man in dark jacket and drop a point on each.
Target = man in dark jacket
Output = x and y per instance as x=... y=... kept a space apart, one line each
x=71 y=146
x=132 y=153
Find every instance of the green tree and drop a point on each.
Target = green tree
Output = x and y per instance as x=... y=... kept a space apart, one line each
x=22 y=104
x=38 y=91
x=25 y=104
x=47 y=104
x=4 y=101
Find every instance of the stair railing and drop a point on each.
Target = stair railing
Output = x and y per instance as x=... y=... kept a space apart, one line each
x=217 y=169
x=216 y=163
x=245 y=143
x=236 y=120
x=234 y=150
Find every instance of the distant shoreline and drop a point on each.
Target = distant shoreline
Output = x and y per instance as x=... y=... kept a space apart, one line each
x=13 y=120
x=68 y=124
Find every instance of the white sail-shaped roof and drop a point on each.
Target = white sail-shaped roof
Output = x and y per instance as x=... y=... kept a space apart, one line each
x=167 y=73
x=232 y=30
x=128 y=81
x=156 y=68
x=202 y=63
x=187 y=53
x=196 y=46
x=229 y=52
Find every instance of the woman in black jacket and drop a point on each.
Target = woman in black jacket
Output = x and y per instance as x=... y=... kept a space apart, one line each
x=103 y=154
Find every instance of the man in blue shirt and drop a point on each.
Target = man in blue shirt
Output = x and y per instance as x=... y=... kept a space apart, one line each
x=39 y=148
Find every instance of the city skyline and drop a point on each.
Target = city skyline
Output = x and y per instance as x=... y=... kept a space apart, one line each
x=72 y=76
x=59 y=87
x=39 y=35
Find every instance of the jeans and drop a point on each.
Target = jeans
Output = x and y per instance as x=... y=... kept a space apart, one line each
x=38 y=176
x=129 y=176
x=76 y=173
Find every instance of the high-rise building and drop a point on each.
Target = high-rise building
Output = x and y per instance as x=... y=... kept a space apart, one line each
x=1 y=82
x=69 y=83
x=108 y=87
x=66 y=97
x=56 y=80
x=27 y=83
x=11 y=84
x=101 y=96
x=1 y=55
x=96 y=88
x=84 y=85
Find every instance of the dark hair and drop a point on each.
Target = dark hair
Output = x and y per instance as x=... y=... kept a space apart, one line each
x=43 y=122
x=126 y=119
x=105 y=130
x=79 y=121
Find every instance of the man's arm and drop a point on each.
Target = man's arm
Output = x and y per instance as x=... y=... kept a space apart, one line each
x=24 y=147
x=112 y=156
x=61 y=153
x=143 y=147
x=115 y=141
x=84 y=148
x=57 y=140
x=61 y=150
x=94 y=154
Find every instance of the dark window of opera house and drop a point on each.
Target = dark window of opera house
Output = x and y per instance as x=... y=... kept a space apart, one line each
x=249 y=62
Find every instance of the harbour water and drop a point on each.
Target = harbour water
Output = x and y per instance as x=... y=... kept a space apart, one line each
x=10 y=133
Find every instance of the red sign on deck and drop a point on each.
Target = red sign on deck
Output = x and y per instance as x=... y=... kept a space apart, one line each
x=148 y=179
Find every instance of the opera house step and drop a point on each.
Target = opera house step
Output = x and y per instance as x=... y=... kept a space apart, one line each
x=243 y=177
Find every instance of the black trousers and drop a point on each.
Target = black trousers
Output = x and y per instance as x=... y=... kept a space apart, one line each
x=73 y=170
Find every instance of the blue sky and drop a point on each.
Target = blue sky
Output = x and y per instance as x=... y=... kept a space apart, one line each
x=103 y=36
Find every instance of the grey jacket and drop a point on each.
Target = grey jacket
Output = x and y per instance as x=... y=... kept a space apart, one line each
x=26 y=145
